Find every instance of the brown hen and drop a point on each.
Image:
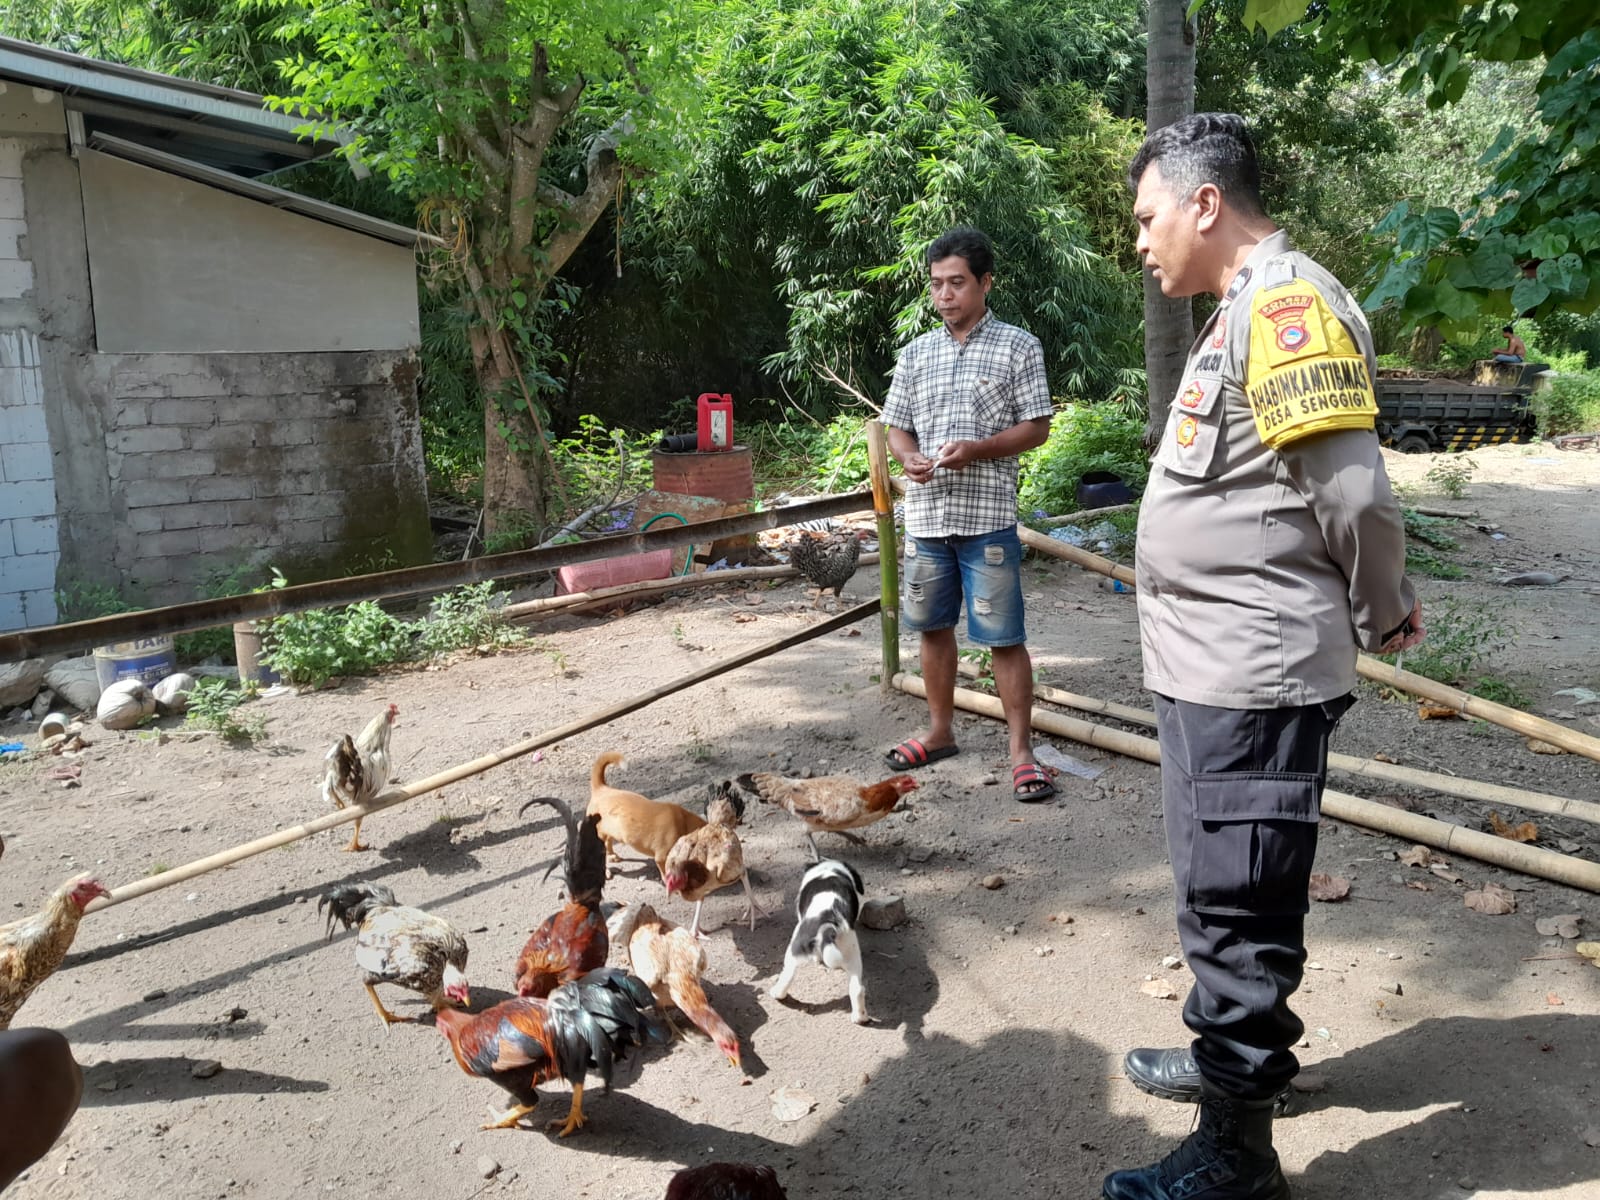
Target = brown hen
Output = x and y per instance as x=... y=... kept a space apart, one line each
x=672 y=963
x=572 y=941
x=31 y=949
x=710 y=858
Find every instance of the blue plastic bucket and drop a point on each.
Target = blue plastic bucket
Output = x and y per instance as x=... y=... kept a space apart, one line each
x=150 y=659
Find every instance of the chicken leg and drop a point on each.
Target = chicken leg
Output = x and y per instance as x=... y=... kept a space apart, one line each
x=752 y=908
x=509 y=1118
x=575 y=1118
x=355 y=839
x=389 y=1018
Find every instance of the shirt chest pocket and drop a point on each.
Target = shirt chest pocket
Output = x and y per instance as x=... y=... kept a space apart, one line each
x=1189 y=444
x=992 y=406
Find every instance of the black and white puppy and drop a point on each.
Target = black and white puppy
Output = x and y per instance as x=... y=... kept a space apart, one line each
x=830 y=899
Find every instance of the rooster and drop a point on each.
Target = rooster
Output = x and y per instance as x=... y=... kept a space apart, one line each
x=401 y=945
x=31 y=949
x=726 y=1181
x=573 y=941
x=358 y=770
x=520 y=1043
x=828 y=560
x=671 y=961
x=711 y=858
x=831 y=803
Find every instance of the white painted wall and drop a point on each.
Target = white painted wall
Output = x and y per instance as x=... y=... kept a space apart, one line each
x=28 y=542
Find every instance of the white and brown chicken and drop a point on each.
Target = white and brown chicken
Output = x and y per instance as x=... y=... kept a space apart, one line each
x=359 y=768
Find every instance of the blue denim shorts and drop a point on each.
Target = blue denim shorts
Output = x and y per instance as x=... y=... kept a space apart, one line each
x=985 y=568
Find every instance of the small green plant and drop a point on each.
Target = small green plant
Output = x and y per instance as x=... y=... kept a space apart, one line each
x=314 y=647
x=214 y=705
x=1571 y=404
x=677 y=631
x=697 y=749
x=983 y=658
x=513 y=535
x=1500 y=692
x=80 y=600
x=468 y=616
x=159 y=868
x=1450 y=476
x=1460 y=637
x=1083 y=438
x=1421 y=561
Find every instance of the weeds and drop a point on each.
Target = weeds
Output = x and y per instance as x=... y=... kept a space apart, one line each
x=313 y=647
x=214 y=705
x=1498 y=691
x=160 y=868
x=1425 y=562
x=697 y=749
x=1460 y=637
x=1451 y=475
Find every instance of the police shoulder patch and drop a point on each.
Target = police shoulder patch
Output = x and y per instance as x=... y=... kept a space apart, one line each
x=1305 y=374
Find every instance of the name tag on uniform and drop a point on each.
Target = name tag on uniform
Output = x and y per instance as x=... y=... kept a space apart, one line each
x=1305 y=374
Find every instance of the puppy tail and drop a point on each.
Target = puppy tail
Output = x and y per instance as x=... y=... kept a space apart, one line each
x=828 y=948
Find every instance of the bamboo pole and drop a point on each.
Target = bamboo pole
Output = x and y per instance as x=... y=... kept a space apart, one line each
x=1474 y=706
x=477 y=766
x=1501 y=852
x=888 y=547
x=1370 y=768
x=1088 y=514
x=1371 y=668
x=408 y=581
x=532 y=610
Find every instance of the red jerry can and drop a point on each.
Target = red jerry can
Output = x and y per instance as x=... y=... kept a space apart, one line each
x=716 y=422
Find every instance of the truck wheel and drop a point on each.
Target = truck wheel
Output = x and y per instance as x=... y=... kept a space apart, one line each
x=1414 y=443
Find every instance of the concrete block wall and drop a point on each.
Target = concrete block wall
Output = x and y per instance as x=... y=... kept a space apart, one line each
x=29 y=552
x=310 y=463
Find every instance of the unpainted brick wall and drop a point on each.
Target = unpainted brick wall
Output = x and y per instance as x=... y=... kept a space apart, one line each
x=308 y=462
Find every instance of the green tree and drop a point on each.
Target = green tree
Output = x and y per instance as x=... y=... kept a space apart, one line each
x=840 y=137
x=1530 y=243
x=514 y=124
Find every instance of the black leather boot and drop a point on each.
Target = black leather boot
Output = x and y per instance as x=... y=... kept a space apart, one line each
x=1173 y=1075
x=1229 y=1156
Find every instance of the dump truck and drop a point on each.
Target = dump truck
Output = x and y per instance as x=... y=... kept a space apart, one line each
x=1420 y=415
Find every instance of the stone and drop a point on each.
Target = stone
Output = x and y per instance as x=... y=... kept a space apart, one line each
x=488 y=1168
x=994 y=882
x=75 y=681
x=206 y=1069
x=20 y=681
x=153 y=996
x=883 y=912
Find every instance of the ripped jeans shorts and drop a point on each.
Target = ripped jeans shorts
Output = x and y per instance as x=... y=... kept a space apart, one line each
x=985 y=568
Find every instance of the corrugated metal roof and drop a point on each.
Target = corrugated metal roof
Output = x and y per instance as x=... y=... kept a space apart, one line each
x=318 y=210
x=229 y=128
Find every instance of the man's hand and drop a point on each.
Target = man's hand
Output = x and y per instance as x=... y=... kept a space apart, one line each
x=955 y=455
x=1412 y=632
x=918 y=467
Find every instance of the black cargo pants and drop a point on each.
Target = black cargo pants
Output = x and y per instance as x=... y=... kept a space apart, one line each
x=1242 y=790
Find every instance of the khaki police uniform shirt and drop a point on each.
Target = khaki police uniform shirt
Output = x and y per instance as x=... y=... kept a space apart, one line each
x=1270 y=543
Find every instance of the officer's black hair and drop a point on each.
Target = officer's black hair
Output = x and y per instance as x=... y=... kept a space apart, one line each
x=968 y=242
x=1204 y=148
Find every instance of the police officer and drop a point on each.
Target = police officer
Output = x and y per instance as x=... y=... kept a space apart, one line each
x=1271 y=549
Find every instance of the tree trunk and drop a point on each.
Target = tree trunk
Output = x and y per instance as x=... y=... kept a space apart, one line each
x=513 y=475
x=1425 y=345
x=1168 y=323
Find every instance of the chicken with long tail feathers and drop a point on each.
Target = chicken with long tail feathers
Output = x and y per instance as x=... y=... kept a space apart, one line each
x=572 y=941
x=401 y=945
x=672 y=963
x=591 y=1023
x=359 y=768
x=31 y=949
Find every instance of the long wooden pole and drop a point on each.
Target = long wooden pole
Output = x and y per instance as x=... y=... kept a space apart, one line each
x=1369 y=667
x=1517 y=856
x=477 y=766
x=532 y=610
x=1371 y=768
x=888 y=549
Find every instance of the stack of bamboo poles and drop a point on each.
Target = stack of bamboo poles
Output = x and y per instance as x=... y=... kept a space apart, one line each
x=1544 y=864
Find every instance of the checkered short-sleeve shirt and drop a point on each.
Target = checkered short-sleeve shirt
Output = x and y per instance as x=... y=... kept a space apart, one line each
x=946 y=391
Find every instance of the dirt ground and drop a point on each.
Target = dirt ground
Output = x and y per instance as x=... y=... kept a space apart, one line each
x=1448 y=1053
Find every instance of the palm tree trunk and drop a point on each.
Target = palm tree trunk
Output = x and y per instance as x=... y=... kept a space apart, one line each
x=1169 y=87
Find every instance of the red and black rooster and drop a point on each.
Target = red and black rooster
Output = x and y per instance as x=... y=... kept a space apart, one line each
x=589 y=1024
x=573 y=941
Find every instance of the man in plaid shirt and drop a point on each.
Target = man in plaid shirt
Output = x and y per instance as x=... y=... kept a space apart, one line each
x=966 y=400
